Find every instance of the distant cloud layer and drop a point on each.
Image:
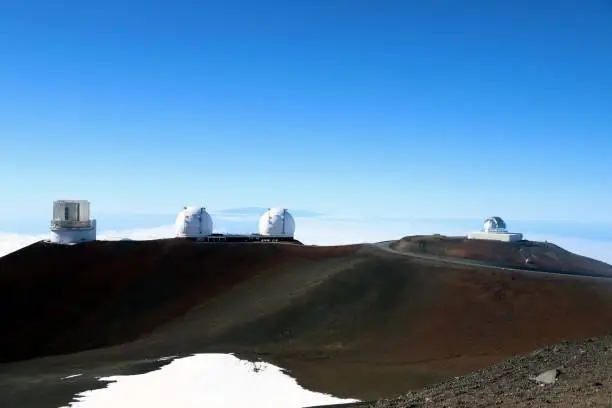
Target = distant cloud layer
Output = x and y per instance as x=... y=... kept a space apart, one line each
x=324 y=230
x=10 y=242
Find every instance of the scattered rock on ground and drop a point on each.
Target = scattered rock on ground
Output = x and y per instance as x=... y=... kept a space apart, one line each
x=584 y=380
x=547 y=377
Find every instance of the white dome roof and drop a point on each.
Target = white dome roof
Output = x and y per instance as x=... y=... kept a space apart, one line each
x=495 y=224
x=277 y=222
x=193 y=222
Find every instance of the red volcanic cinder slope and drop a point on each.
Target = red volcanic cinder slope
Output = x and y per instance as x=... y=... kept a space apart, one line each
x=408 y=322
x=59 y=299
x=398 y=314
x=412 y=310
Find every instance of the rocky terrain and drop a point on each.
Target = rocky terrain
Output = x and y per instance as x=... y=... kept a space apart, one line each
x=354 y=321
x=569 y=374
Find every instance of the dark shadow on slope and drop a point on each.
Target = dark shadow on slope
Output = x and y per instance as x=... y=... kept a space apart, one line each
x=60 y=299
x=51 y=389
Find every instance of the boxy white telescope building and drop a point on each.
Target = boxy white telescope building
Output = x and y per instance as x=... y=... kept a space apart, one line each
x=495 y=229
x=71 y=223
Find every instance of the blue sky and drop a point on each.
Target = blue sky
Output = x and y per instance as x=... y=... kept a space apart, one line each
x=433 y=109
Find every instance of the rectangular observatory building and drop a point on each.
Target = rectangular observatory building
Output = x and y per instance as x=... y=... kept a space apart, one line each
x=497 y=236
x=71 y=222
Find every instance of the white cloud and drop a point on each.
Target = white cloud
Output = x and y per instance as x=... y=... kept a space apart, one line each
x=10 y=242
x=329 y=231
x=139 y=234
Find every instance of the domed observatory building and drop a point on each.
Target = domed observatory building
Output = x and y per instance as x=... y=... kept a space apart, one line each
x=193 y=222
x=277 y=223
x=495 y=229
x=71 y=223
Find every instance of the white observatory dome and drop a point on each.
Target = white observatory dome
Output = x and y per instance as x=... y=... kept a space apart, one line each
x=193 y=222
x=277 y=222
x=495 y=224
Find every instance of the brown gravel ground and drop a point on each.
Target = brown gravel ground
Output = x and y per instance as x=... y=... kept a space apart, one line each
x=584 y=380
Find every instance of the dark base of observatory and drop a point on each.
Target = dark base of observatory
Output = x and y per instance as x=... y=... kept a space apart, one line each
x=221 y=238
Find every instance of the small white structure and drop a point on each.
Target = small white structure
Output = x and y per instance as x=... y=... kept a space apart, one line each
x=277 y=222
x=495 y=229
x=71 y=222
x=193 y=222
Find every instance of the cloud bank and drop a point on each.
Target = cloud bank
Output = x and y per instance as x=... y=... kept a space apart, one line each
x=325 y=230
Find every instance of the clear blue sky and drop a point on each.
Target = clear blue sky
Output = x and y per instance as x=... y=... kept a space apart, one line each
x=417 y=108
